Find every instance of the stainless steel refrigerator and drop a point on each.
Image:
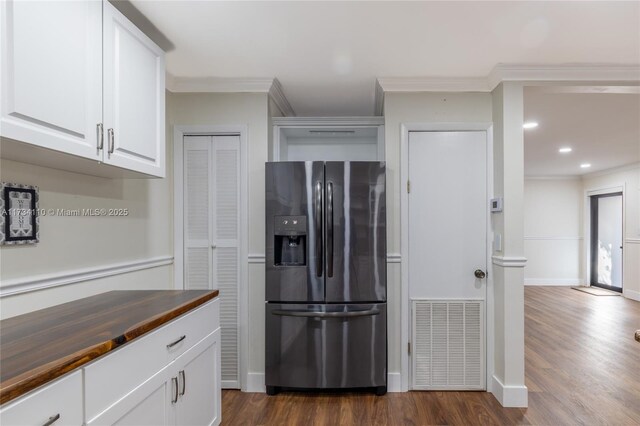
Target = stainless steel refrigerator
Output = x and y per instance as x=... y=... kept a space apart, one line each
x=326 y=285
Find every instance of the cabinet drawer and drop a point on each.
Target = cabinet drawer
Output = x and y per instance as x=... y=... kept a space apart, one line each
x=62 y=398
x=118 y=373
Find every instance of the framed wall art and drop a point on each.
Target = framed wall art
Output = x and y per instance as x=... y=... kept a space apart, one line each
x=18 y=214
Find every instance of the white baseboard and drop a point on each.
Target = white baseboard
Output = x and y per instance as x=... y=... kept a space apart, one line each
x=394 y=382
x=554 y=281
x=510 y=396
x=633 y=295
x=255 y=383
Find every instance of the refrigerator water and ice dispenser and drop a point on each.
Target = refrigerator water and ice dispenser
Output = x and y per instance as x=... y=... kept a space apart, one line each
x=290 y=234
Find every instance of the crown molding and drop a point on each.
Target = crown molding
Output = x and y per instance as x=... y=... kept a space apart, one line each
x=277 y=96
x=619 y=169
x=433 y=84
x=513 y=72
x=552 y=177
x=563 y=72
x=270 y=86
x=327 y=121
x=218 y=84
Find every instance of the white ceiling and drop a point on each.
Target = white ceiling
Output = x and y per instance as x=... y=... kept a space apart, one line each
x=603 y=129
x=327 y=54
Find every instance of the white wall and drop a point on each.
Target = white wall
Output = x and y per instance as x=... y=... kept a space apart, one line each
x=629 y=178
x=414 y=108
x=553 y=231
x=334 y=149
x=72 y=245
x=252 y=110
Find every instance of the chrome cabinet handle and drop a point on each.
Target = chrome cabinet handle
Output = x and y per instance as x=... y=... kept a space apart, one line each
x=318 y=206
x=174 y=385
x=100 y=136
x=313 y=314
x=329 y=229
x=479 y=273
x=183 y=378
x=172 y=344
x=111 y=137
x=51 y=420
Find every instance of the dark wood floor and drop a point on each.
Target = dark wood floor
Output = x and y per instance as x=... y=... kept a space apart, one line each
x=582 y=367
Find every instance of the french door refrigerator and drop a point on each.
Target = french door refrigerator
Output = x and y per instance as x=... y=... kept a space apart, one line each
x=326 y=291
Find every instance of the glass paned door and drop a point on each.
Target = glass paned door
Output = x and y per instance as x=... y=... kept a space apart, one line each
x=606 y=241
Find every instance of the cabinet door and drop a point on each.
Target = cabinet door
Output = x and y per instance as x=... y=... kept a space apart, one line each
x=133 y=97
x=51 y=74
x=148 y=405
x=198 y=374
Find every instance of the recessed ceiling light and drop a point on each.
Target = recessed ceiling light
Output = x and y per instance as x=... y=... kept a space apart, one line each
x=530 y=125
x=565 y=150
x=585 y=165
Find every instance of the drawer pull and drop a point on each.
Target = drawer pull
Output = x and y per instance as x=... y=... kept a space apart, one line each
x=174 y=385
x=52 y=420
x=183 y=379
x=170 y=345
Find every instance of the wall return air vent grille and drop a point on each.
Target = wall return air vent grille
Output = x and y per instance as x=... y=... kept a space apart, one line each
x=448 y=347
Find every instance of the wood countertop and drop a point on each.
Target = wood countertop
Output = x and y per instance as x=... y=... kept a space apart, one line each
x=40 y=346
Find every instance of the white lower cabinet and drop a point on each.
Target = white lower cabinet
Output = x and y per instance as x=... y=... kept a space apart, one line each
x=56 y=403
x=198 y=382
x=147 y=404
x=168 y=377
x=185 y=393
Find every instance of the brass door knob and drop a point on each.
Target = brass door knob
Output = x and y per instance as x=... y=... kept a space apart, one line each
x=479 y=273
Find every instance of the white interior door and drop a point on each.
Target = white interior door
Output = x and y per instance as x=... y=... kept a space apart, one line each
x=447 y=244
x=211 y=233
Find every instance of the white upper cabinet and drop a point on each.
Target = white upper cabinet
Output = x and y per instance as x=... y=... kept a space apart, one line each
x=51 y=72
x=133 y=96
x=78 y=78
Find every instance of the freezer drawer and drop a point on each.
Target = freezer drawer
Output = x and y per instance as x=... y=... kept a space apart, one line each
x=326 y=346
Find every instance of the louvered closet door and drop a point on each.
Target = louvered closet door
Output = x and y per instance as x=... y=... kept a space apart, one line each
x=211 y=212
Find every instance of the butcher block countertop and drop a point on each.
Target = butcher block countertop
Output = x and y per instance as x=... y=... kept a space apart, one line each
x=40 y=346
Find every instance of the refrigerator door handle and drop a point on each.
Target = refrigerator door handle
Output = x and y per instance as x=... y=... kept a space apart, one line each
x=287 y=313
x=329 y=229
x=318 y=207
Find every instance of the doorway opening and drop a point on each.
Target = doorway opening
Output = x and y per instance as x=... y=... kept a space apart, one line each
x=606 y=241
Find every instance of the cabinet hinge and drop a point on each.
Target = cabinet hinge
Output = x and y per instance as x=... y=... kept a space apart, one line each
x=408 y=187
x=409 y=348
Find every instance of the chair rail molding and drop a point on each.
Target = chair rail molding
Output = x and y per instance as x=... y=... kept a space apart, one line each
x=39 y=282
x=509 y=262
x=255 y=258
